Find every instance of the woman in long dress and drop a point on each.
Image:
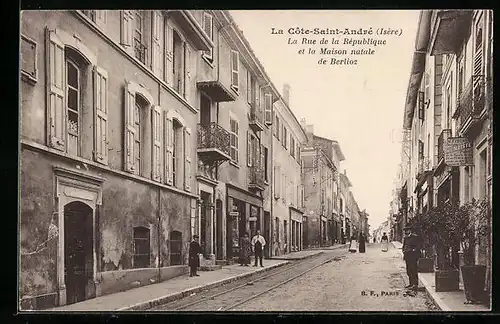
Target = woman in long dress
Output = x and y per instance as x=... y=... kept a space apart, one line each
x=246 y=250
x=385 y=242
x=353 y=246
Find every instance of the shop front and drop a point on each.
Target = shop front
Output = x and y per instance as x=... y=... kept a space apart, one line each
x=244 y=212
x=295 y=229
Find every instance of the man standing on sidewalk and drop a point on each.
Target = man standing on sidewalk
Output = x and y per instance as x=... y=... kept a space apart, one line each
x=411 y=253
x=194 y=259
x=258 y=243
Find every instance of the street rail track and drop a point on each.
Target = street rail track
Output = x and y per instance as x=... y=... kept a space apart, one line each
x=232 y=297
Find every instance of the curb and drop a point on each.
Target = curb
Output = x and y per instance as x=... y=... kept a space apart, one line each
x=438 y=301
x=328 y=247
x=175 y=296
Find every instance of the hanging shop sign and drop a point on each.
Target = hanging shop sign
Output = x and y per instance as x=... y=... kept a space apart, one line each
x=458 y=152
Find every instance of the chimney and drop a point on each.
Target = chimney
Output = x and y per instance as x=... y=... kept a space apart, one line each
x=286 y=93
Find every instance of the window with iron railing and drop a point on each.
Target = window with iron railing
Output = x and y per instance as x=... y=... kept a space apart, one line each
x=139 y=46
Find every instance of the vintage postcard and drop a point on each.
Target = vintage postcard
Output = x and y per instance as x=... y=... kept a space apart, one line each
x=264 y=160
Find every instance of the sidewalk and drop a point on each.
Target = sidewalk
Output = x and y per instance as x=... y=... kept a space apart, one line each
x=149 y=296
x=452 y=301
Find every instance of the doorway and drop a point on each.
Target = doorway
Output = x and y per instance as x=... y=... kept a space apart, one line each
x=78 y=252
x=204 y=220
x=218 y=240
x=267 y=231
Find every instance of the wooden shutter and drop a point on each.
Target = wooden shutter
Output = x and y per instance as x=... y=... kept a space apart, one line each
x=100 y=115
x=277 y=185
x=126 y=25
x=169 y=149
x=157 y=149
x=235 y=68
x=421 y=103
x=262 y=158
x=249 y=149
x=187 y=73
x=208 y=28
x=157 y=31
x=169 y=53
x=100 y=17
x=187 y=159
x=56 y=91
x=268 y=108
x=130 y=131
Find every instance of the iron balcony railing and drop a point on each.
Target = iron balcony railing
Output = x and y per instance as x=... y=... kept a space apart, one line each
x=470 y=101
x=256 y=115
x=423 y=166
x=213 y=136
x=257 y=176
x=140 y=50
x=441 y=140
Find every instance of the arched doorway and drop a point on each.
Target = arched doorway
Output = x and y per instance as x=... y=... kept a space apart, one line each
x=78 y=252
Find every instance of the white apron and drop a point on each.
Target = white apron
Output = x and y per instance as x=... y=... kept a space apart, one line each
x=385 y=245
x=353 y=246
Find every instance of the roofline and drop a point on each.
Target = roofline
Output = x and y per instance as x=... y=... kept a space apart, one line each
x=336 y=146
x=247 y=46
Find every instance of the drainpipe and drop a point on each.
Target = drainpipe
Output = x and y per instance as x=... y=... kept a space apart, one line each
x=158 y=235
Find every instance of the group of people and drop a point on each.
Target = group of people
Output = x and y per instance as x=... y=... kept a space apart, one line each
x=247 y=247
x=359 y=245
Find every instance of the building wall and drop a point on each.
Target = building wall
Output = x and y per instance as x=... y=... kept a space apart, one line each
x=128 y=200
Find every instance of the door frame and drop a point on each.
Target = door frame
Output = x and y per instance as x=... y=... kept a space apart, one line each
x=71 y=186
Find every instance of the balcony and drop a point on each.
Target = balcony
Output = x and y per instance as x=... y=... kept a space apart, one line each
x=470 y=104
x=213 y=143
x=216 y=91
x=140 y=50
x=256 y=120
x=441 y=140
x=257 y=178
x=448 y=30
x=424 y=166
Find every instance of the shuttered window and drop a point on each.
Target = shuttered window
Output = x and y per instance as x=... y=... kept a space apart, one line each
x=126 y=27
x=268 y=108
x=234 y=140
x=157 y=42
x=169 y=149
x=235 y=70
x=169 y=54
x=208 y=29
x=56 y=92
x=187 y=159
x=101 y=115
x=157 y=143
x=188 y=86
x=277 y=183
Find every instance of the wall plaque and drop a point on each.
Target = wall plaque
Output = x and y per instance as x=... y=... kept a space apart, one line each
x=458 y=152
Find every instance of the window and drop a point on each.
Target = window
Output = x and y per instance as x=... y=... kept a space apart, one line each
x=234 y=140
x=175 y=248
x=208 y=28
x=420 y=150
x=97 y=16
x=285 y=137
x=73 y=93
x=277 y=179
x=265 y=164
x=253 y=152
x=141 y=247
x=461 y=77
x=277 y=129
x=235 y=70
x=126 y=27
x=139 y=108
x=427 y=94
x=421 y=104
x=268 y=107
x=448 y=107
x=178 y=63
x=69 y=90
x=157 y=143
x=28 y=55
x=176 y=148
x=292 y=146
x=249 y=87
x=157 y=43
x=139 y=44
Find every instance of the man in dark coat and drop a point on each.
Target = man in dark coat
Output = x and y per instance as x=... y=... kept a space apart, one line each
x=194 y=260
x=411 y=253
x=361 y=243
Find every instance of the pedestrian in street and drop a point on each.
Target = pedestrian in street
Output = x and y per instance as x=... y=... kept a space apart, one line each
x=194 y=259
x=385 y=242
x=353 y=246
x=258 y=243
x=362 y=242
x=411 y=253
x=246 y=250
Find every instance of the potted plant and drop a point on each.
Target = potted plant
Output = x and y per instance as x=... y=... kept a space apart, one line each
x=471 y=222
x=424 y=226
x=439 y=234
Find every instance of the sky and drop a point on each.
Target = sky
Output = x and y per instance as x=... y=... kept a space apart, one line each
x=361 y=106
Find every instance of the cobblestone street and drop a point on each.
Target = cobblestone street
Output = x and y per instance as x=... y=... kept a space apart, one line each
x=339 y=286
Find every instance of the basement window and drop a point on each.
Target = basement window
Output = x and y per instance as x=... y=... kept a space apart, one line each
x=142 y=248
